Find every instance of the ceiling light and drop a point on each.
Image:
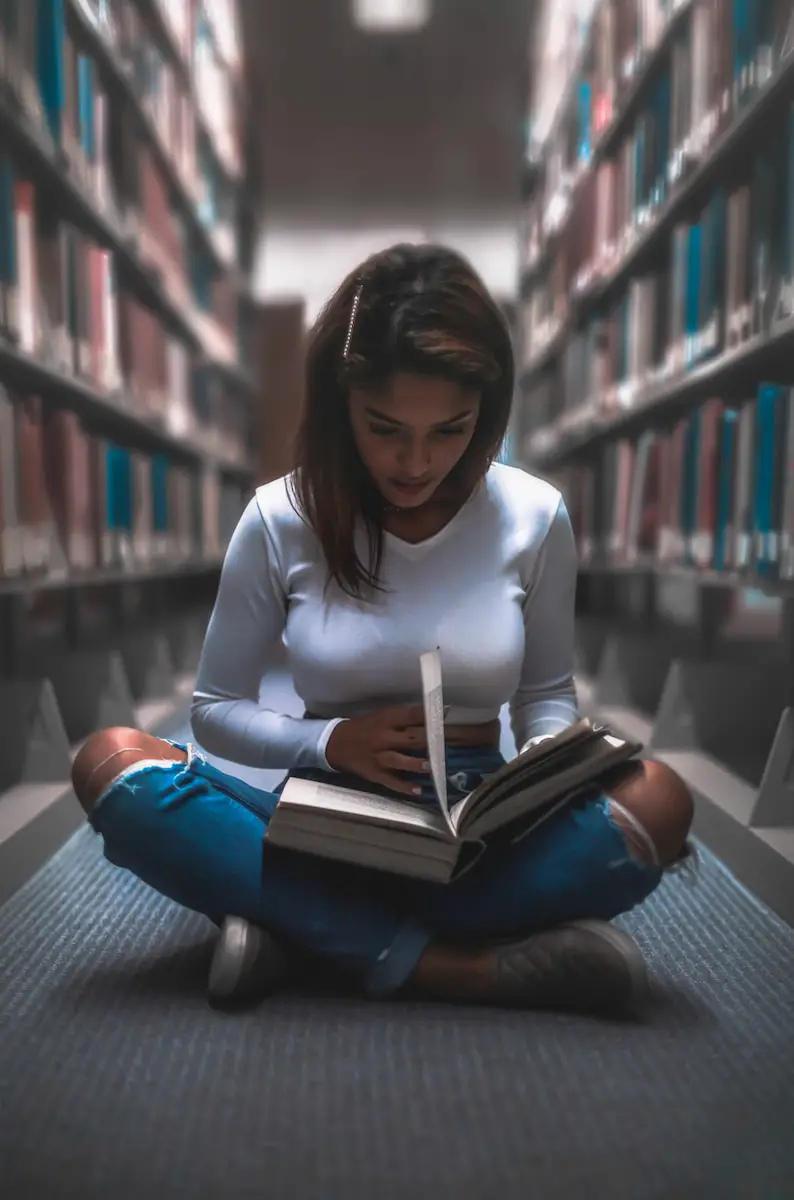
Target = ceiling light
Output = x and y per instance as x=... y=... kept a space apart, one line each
x=391 y=16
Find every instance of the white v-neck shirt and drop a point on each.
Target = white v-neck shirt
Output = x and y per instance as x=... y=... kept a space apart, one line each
x=493 y=590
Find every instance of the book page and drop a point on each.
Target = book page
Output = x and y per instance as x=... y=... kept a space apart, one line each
x=309 y=796
x=507 y=777
x=564 y=779
x=433 y=698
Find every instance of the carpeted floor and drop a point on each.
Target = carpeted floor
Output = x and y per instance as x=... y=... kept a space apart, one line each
x=118 y=1082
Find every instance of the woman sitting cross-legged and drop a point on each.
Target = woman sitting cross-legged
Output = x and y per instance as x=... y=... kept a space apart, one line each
x=398 y=531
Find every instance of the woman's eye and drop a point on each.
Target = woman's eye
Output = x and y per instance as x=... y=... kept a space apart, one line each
x=388 y=431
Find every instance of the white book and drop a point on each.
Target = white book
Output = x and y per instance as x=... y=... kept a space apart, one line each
x=440 y=841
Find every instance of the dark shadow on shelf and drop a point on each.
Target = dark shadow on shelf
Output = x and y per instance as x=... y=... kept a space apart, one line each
x=729 y=711
x=91 y=686
x=632 y=671
x=34 y=746
x=147 y=661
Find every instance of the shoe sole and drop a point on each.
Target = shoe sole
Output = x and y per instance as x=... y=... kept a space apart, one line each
x=228 y=959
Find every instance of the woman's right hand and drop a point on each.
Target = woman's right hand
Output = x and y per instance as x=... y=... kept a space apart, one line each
x=374 y=747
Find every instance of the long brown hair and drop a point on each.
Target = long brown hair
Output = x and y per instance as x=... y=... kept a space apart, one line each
x=422 y=309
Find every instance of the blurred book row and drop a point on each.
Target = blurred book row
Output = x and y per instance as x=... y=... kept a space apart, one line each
x=671 y=175
x=62 y=305
x=713 y=492
x=72 y=501
x=125 y=409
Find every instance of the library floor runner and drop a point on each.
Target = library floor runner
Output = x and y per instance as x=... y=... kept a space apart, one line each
x=117 y=1080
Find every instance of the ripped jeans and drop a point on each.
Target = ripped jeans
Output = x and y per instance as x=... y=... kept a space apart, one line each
x=196 y=835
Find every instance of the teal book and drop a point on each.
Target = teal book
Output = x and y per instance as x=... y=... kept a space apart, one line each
x=160 y=513
x=86 y=106
x=9 y=269
x=692 y=294
x=763 y=491
x=50 y=35
x=585 y=122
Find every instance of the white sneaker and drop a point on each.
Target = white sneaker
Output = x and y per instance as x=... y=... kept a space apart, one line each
x=247 y=962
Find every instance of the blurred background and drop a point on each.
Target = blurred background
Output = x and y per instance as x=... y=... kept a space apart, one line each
x=183 y=183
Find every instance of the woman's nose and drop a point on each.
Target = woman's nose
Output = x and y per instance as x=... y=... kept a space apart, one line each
x=415 y=457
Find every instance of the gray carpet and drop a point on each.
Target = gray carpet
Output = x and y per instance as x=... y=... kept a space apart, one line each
x=117 y=1081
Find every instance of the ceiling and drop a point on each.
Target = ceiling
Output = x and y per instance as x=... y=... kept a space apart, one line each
x=359 y=132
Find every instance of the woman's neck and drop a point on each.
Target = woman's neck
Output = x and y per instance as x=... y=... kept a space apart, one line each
x=419 y=524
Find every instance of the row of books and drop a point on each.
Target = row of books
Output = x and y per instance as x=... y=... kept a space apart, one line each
x=196 y=120
x=207 y=39
x=193 y=109
x=715 y=491
x=61 y=303
x=723 y=276
x=72 y=500
x=621 y=36
x=214 y=86
x=723 y=53
x=142 y=164
x=626 y=193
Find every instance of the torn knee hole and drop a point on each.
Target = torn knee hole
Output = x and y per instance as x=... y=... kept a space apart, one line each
x=639 y=842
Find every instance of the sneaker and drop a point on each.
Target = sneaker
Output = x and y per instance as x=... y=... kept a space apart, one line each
x=247 y=963
x=585 y=967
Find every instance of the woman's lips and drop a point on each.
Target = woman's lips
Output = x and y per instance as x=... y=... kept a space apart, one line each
x=408 y=487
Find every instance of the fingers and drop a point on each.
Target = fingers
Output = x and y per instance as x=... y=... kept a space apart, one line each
x=403 y=762
x=397 y=783
x=392 y=768
x=406 y=739
x=403 y=717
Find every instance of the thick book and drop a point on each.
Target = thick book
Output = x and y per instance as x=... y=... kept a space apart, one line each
x=438 y=842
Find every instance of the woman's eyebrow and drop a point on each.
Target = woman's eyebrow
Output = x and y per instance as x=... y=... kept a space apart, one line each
x=387 y=420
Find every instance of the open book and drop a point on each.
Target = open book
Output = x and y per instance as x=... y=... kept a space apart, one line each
x=438 y=843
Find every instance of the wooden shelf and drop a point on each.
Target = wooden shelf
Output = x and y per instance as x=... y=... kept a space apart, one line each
x=702 y=576
x=730 y=147
x=36 y=152
x=630 y=102
x=628 y=106
x=154 y=11
x=111 y=413
x=28 y=585
x=120 y=82
x=730 y=374
x=546 y=354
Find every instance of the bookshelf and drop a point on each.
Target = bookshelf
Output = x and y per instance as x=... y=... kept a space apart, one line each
x=127 y=392
x=656 y=388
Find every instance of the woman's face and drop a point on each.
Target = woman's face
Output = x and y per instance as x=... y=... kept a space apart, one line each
x=411 y=433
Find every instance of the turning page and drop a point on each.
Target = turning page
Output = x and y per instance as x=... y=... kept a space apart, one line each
x=433 y=698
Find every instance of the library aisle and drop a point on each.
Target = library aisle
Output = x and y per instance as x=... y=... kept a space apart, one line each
x=148 y=383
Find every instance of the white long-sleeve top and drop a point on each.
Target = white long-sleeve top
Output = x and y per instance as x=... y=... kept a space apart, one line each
x=493 y=590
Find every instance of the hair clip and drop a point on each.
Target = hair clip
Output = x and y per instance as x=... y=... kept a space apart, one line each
x=353 y=311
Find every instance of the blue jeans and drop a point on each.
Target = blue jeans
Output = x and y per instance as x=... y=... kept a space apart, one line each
x=195 y=834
